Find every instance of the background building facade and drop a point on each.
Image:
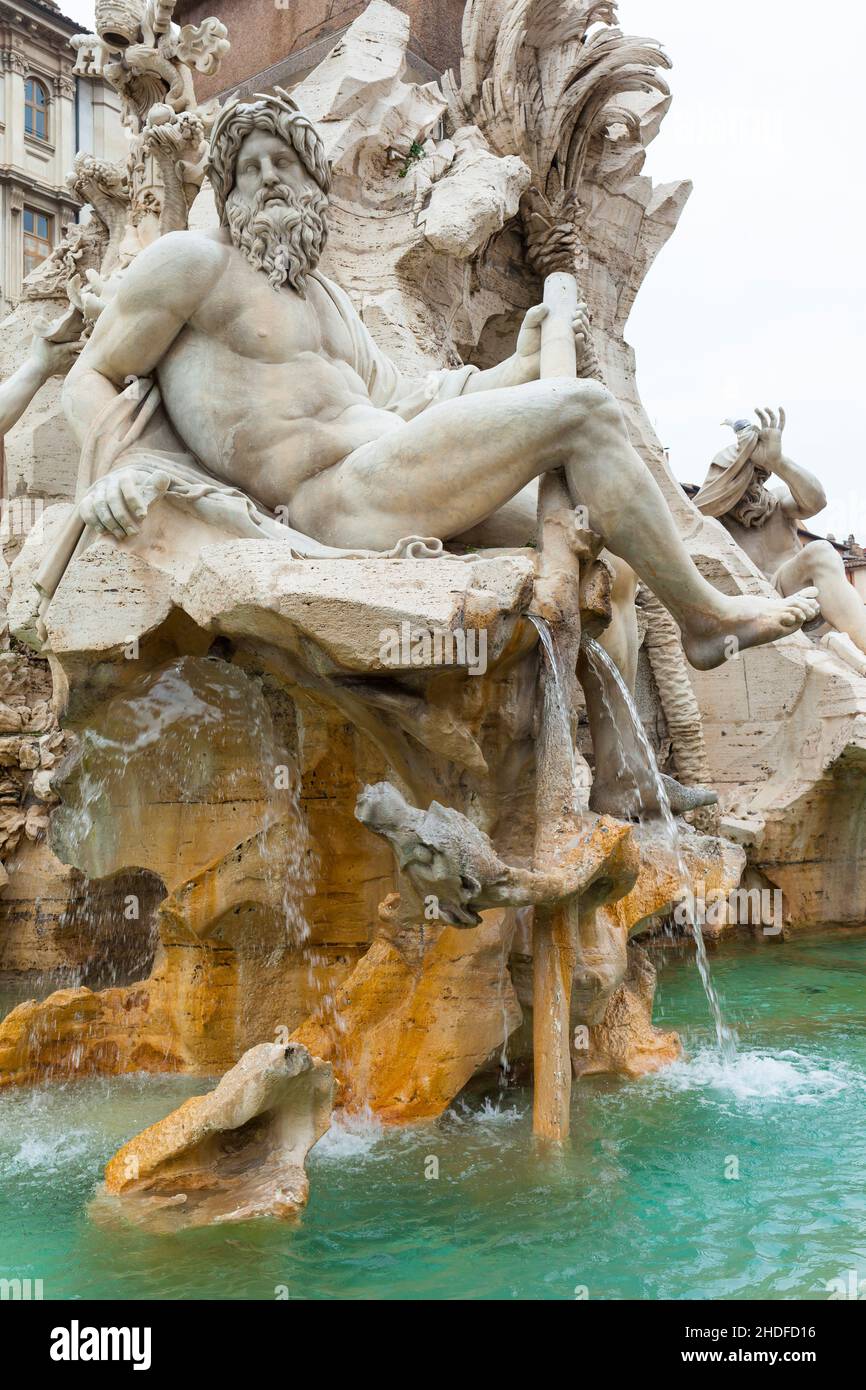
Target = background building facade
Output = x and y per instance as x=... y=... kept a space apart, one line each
x=277 y=42
x=46 y=115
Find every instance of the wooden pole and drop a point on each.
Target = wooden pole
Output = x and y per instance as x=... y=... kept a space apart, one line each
x=558 y=352
x=554 y=938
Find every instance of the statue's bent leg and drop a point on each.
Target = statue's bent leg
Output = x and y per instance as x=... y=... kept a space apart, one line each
x=457 y=462
x=819 y=564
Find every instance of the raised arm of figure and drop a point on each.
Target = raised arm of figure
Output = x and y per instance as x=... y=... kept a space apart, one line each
x=802 y=495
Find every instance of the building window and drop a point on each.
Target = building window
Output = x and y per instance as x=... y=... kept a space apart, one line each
x=38 y=238
x=35 y=109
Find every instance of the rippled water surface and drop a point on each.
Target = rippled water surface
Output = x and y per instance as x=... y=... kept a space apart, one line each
x=643 y=1203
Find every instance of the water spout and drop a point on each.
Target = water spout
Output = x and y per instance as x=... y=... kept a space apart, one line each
x=609 y=676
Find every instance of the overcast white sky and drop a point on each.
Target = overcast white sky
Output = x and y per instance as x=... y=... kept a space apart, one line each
x=760 y=295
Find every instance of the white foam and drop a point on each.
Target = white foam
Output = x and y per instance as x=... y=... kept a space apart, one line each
x=362 y=1135
x=350 y=1136
x=36 y=1154
x=491 y=1111
x=760 y=1075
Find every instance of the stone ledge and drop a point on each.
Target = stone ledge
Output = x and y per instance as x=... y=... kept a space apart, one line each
x=112 y=595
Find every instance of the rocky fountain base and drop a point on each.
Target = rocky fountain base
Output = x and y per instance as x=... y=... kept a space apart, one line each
x=326 y=819
x=214 y=798
x=232 y=1155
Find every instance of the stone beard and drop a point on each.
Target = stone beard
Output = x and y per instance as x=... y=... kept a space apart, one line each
x=756 y=506
x=280 y=233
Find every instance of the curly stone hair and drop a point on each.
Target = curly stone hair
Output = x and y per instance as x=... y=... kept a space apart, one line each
x=276 y=114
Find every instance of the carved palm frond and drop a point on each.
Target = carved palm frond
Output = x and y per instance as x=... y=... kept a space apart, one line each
x=541 y=77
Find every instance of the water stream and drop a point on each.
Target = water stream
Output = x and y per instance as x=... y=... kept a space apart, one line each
x=609 y=675
x=559 y=706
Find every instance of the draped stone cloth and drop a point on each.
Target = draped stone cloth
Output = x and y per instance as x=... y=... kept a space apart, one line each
x=730 y=475
x=134 y=431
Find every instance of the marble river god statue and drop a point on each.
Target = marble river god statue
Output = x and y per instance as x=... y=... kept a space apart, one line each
x=230 y=373
x=764 y=522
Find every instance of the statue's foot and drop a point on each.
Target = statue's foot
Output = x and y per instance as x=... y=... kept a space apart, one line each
x=683 y=799
x=621 y=799
x=745 y=621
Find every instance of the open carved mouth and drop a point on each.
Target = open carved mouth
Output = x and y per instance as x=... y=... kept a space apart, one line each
x=459 y=914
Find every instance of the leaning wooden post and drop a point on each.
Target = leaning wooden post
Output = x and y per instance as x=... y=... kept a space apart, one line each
x=554 y=936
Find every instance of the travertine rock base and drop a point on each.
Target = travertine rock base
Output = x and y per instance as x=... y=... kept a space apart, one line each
x=785 y=733
x=614 y=985
x=233 y=1154
x=626 y=1041
x=423 y=1010
x=711 y=864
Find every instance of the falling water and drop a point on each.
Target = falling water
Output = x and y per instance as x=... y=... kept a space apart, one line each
x=560 y=705
x=608 y=674
x=197 y=731
x=296 y=875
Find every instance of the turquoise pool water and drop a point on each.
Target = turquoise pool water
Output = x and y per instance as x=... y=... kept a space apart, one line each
x=638 y=1205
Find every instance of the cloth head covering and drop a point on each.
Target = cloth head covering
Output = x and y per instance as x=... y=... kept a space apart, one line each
x=731 y=472
x=238 y=118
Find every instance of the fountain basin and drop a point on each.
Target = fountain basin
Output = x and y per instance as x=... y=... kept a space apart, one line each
x=635 y=1206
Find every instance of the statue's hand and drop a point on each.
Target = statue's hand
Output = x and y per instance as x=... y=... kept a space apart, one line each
x=54 y=359
x=57 y=342
x=118 y=502
x=528 y=349
x=767 y=453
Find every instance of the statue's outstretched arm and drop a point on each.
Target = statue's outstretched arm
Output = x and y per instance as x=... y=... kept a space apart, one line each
x=391 y=389
x=46 y=359
x=524 y=363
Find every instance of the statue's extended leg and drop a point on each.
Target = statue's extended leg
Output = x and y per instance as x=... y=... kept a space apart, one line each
x=457 y=462
x=626 y=506
x=819 y=564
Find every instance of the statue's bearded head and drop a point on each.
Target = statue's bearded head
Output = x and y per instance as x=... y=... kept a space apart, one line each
x=271 y=178
x=757 y=503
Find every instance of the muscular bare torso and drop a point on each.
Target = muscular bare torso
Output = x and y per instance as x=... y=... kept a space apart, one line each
x=288 y=403
x=771 y=545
